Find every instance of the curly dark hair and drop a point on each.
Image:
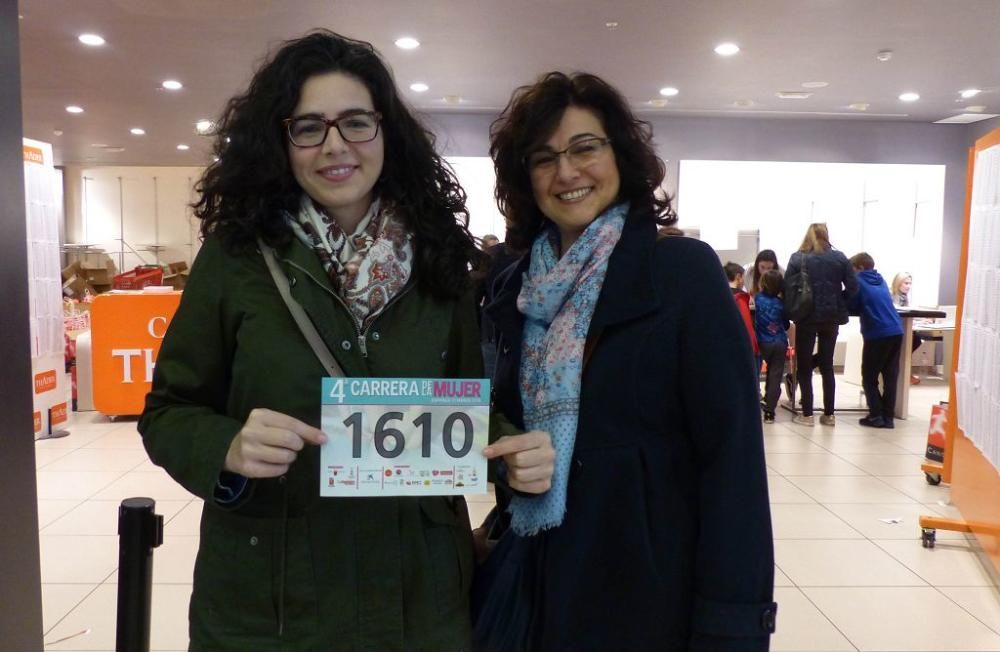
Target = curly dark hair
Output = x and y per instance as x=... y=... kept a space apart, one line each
x=245 y=192
x=530 y=118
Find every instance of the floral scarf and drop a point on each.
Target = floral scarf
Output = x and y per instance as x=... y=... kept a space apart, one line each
x=558 y=298
x=368 y=267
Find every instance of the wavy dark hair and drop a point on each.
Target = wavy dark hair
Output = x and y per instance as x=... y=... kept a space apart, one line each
x=245 y=192
x=530 y=118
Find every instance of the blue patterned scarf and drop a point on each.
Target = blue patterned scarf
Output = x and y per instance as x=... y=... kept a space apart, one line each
x=558 y=298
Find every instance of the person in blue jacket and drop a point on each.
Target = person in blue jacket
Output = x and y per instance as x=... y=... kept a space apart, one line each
x=771 y=325
x=882 y=330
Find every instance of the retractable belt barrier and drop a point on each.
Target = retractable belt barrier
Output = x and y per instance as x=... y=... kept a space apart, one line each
x=139 y=531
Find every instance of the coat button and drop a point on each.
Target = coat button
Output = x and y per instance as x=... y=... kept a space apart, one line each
x=768 y=619
x=346 y=345
x=292 y=281
x=376 y=336
x=444 y=354
x=253 y=541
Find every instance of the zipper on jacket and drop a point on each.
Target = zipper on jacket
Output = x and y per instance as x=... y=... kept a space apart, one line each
x=362 y=335
x=282 y=554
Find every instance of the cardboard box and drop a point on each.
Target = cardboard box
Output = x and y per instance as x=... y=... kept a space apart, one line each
x=175 y=275
x=71 y=270
x=96 y=261
x=102 y=276
x=77 y=287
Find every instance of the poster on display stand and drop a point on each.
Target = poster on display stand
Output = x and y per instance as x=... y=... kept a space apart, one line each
x=43 y=209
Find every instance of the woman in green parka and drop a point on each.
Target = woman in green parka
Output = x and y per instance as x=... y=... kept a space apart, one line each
x=321 y=160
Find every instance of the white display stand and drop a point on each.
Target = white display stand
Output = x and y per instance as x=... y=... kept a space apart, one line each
x=43 y=209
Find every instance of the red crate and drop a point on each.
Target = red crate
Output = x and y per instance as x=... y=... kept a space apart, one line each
x=138 y=278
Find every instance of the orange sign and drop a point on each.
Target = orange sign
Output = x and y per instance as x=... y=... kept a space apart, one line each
x=58 y=414
x=45 y=381
x=38 y=422
x=126 y=332
x=33 y=155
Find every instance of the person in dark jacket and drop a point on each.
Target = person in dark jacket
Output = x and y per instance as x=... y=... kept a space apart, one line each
x=628 y=347
x=882 y=330
x=833 y=286
x=771 y=325
x=321 y=161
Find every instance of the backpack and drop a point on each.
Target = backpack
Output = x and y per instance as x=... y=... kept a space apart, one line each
x=799 y=294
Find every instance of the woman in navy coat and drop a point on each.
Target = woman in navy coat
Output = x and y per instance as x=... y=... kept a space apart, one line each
x=626 y=345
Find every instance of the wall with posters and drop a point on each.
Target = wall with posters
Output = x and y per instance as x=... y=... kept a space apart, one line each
x=43 y=212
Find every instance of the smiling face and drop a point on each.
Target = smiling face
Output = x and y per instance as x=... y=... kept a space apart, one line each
x=337 y=175
x=572 y=197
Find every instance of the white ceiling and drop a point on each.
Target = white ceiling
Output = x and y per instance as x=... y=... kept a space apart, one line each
x=481 y=49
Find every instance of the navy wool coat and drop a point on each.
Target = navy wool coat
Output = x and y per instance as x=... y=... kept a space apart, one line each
x=666 y=543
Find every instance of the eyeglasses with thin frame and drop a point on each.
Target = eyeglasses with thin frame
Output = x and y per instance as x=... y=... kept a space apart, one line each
x=580 y=154
x=311 y=131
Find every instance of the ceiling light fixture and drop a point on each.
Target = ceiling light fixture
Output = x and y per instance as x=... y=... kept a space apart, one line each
x=453 y=99
x=92 y=40
x=859 y=106
x=668 y=91
x=407 y=43
x=57 y=132
x=815 y=84
x=74 y=109
x=137 y=131
x=909 y=97
x=794 y=95
x=979 y=108
x=658 y=102
x=743 y=104
x=419 y=87
x=183 y=147
x=172 y=85
x=204 y=127
x=970 y=92
x=883 y=55
x=612 y=24
x=727 y=49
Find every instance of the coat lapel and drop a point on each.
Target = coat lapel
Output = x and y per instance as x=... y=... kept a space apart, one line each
x=628 y=292
x=311 y=287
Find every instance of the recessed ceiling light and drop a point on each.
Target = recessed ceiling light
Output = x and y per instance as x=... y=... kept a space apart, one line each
x=794 y=95
x=57 y=132
x=970 y=92
x=99 y=145
x=658 y=102
x=91 y=39
x=419 y=87
x=815 y=84
x=966 y=118
x=909 y=97
x=204 y=126
x=727 y=49
x=883 y=55
x=172 y=85
x=669 y=91
x=183 y=147
x=137 y=131
x=979 y=108
x=115 y=150
x=407 y=43
x=611 y=24
x=74 y=109
x=859 y=106
x=743 y=104
x=453 y=99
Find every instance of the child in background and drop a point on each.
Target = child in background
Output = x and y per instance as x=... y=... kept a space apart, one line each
x=882 y=330
x=734 y=273
x=772 y=337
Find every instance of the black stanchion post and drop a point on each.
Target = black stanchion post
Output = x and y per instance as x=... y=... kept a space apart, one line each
x=139 y=531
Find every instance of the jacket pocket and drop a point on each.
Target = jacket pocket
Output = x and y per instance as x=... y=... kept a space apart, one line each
x=448 y=540
x=234 y=596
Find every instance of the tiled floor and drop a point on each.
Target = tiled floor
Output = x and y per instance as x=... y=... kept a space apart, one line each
x=851 y=573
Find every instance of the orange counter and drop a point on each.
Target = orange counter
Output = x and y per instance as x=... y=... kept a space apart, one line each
x=126 y=331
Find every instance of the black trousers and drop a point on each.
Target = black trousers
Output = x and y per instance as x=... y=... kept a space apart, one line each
x=773 y=353
x=805 y=337
x=880 y=357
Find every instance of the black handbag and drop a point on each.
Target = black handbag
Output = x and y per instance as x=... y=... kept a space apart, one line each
x=799 y=294
x=503 y=595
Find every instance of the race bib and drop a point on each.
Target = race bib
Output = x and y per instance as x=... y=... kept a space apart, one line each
x=404 y=436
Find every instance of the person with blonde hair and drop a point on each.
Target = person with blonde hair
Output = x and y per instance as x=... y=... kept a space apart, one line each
x=832 y=284
x=901 y=284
